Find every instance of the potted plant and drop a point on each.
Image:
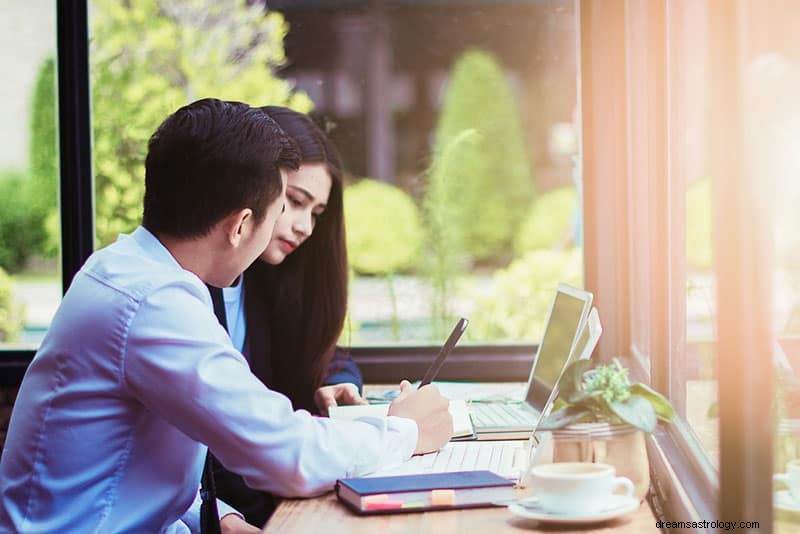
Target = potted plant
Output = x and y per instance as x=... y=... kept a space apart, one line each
x=600 y=416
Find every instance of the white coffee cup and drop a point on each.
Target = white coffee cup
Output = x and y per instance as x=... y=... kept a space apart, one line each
x=577 y=488
x=791 y=478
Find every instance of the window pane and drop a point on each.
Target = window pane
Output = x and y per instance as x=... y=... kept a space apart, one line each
x=456 y=122
x=30 y=279
x=771 y=79
x=694 y=378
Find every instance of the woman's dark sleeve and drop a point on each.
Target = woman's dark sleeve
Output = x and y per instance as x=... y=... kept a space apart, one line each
x=256 y=506
x=343 y=369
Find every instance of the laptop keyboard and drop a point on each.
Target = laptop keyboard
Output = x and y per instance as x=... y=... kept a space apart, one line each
x=506 y=458
x=498 y=414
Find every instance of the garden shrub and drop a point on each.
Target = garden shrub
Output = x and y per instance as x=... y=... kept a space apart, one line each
x=383 y=226
x=488 y=176
x=21 y=228
x=549 y=223
x=516 y=305
x=10 y=318
x=445 y=258
x=43 y=158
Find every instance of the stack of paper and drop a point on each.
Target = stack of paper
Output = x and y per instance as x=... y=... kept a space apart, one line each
x=462 y=424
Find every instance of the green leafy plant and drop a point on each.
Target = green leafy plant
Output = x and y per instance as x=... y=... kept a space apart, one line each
x=549 y=222
x=488 y=174
x=21 y=228
x=605 y=394
x=444 y=259
x=43 y=160
x=384 y=232
x=10 y=313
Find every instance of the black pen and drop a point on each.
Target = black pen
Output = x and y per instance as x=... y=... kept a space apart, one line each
x=433 y=370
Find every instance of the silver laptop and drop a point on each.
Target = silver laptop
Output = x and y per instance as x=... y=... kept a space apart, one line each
x=516 y=420
x=508 y=458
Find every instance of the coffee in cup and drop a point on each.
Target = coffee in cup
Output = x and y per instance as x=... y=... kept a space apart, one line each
x=791 y=478
x=577 y=488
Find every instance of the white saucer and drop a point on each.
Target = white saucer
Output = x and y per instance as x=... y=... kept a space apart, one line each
x=618 y=506
x=784 y=501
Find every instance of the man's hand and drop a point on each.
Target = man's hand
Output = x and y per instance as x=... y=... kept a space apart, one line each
x=337 y=394
x=429 y=409
x=233 y=524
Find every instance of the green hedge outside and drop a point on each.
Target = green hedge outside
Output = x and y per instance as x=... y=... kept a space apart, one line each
x=384 y=232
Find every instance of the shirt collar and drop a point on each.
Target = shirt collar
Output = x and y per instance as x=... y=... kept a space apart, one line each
x=153 y=247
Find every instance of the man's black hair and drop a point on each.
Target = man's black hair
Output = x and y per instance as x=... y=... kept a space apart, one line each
x=210 y=159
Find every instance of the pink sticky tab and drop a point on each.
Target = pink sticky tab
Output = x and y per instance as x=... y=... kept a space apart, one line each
x=383 y=505
x=443 y=497
x=381 y=497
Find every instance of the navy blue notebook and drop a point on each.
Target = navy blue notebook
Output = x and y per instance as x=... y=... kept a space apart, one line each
x=416 y=493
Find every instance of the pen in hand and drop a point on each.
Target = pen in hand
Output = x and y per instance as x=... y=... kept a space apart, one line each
x=455 y=335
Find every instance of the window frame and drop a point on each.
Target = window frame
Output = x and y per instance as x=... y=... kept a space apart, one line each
x=685 y=484
x=746 y=385
x=76 y=194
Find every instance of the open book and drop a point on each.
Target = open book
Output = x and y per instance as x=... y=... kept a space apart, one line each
x=462 y=424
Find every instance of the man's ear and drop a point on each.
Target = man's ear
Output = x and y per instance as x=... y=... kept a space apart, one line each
x=234 y=225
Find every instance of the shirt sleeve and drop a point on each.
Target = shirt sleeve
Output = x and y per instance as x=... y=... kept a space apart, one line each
x=180 y=364
x=191 y=517
x=224 y=509
x=344 y=369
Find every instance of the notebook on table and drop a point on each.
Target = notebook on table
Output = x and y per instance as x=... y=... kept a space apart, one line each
x=516 y=419
x=417 y=493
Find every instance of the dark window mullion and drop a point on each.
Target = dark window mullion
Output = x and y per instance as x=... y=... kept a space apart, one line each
x=76 y=188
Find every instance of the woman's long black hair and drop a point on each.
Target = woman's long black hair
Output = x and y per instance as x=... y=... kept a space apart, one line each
x=307 y=293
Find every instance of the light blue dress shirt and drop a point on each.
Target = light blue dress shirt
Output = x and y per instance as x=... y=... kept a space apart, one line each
x=134 y=376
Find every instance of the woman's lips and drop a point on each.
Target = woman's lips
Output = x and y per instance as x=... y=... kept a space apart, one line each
x=286 y=246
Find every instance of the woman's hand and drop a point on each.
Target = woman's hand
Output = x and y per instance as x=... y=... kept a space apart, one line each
x=233 y=524
x=337 y=394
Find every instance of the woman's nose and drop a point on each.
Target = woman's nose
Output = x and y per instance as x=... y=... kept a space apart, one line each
x=302 y=225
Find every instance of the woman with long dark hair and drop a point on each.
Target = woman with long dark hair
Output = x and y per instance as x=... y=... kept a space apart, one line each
x=288 y=311
x=304 y=287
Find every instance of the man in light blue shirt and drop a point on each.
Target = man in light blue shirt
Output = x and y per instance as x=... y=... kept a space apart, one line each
x=136 y=376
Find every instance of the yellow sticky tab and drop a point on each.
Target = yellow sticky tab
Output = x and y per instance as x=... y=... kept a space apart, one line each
x=443 y=497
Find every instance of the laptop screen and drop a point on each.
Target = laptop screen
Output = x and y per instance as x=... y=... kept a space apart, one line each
x=559 y=336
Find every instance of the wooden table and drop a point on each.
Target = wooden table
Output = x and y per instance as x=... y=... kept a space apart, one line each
x=325 y=515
